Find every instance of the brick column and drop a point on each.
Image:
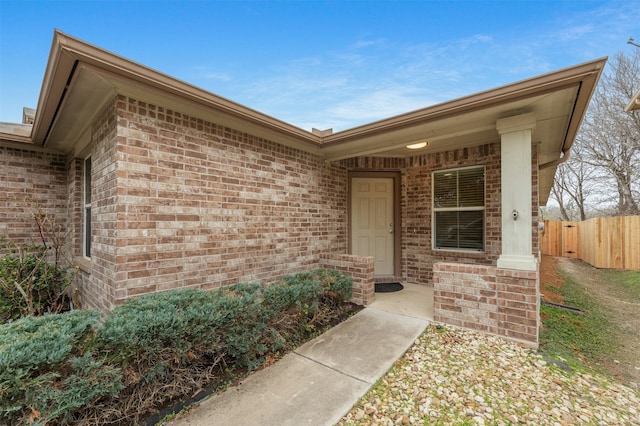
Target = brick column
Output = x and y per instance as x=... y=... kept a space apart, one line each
x=361 y=270
x=485 y=298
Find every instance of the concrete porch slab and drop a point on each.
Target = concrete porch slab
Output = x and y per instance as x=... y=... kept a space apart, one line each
x=414 y=301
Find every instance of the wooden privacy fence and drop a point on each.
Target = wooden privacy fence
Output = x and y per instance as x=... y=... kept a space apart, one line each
x=604 y=242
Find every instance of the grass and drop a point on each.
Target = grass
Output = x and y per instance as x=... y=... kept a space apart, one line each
x=553 y=289
x=582 y=340
x=627 y=282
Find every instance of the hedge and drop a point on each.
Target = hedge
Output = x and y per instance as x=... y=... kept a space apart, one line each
x=45 y=373
x=67 y=368
x=30 y=285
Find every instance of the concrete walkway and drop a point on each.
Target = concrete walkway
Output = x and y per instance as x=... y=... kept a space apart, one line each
x=319 y=382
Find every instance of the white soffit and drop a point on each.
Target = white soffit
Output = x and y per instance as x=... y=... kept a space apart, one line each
x=552 y=111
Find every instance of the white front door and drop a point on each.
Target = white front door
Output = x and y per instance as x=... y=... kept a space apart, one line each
x=372 y=221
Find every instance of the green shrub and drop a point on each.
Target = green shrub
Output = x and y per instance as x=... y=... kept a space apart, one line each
x=65 y=368
x=30 y=284
x=245 y=324
x=155 y=335
x=161 y=327
x=45 y=373
x=176 y=327
x=336 y=287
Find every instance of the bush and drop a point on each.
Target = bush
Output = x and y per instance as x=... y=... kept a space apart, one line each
x=161 y=339
x=335 y=287
x=307 y=302
x=33 y=277
x=156 y=348
x=156 y=328
x=179 y=326
x=30 y=285
x=46 y=372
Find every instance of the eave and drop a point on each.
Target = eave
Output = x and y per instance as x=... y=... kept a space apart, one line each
x=559 y=101
x=634 y=104
x=506 y=100
x=70 y=57
x=80 y=78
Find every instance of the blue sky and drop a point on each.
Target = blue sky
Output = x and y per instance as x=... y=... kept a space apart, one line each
x=323 y=64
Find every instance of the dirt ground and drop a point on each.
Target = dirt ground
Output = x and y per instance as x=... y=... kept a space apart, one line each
x=625 y=314
x=550 y=280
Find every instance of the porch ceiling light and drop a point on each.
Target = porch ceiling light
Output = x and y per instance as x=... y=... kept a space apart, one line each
x=417 y=145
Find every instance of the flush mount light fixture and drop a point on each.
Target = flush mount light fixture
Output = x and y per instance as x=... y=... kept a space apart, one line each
x=417 y=145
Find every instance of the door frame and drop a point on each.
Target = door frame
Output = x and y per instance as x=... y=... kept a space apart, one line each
x=397 y=225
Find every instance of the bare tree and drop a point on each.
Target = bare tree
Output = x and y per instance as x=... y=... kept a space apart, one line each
x=574 y=186
x=609 y=139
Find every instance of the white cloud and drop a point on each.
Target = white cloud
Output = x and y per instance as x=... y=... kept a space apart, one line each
x=380 y=103
x=208 y=74
x=482 y=38
x=361 y=44
x=475 y=39
x=374 y=78
x=573 y=33
x=345 y=89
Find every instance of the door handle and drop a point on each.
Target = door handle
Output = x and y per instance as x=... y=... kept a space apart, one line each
x=391 y=228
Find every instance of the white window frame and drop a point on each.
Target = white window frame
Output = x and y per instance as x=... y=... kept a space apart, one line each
x=459 y=209
x=86 y=208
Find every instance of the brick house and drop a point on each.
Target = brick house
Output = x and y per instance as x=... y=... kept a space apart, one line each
x=162 y=185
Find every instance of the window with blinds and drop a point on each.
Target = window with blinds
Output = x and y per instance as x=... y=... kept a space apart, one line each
x=458 y=209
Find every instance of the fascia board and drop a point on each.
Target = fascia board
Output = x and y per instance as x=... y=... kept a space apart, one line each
x=13 y=138
x=67 y=52
x=23 y=143
x=57 y=74
x=634 y=104
x=588 y=84
x=535 y=86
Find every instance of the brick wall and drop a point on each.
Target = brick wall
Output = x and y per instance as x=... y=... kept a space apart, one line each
x=486 y=298
x=360 y=268
x=99 y=282
x=29 y=179
x=420 y=189
x=182 y=202
x=74 y=173
x=417 y=255
x=204 y=206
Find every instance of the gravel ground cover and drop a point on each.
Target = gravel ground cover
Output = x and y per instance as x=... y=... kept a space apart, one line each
x=452 y=376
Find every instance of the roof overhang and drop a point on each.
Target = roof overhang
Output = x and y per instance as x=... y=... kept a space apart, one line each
x=81 y=78
x=558 y=100
x=634 y=104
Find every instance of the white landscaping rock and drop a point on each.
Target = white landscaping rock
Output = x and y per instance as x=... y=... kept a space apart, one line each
x=452 y=376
